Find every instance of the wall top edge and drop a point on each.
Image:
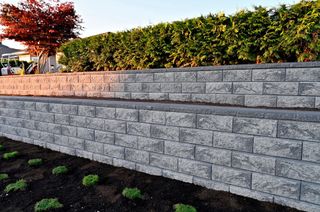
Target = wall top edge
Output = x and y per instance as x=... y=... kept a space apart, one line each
x=201 y=68
x=264 y=113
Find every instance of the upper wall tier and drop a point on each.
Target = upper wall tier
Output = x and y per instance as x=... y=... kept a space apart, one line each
x=287 y=85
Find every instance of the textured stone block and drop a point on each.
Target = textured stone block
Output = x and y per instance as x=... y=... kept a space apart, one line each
x=194 y=136
x=104 y=137
x=215 y=156
x=310 y=193
x=171 y=87
x=233 y=141
x=181 y=119
x=114 y=151
x=164 y=132
x=163 y=161
x=299 y=130
x=95 y=123
x=132 y=87
x=85 y=133
x=251 y=194
x=179 y=97
x=276 y=185
x=164 y=77
x=89 y=111
x=278 y=147
x=212 y=122
x=126 y=140
x=209 y=76
x=144 y=77
x=115 y=126
x=231 y=176
x=298 y=170
x=269 y=75
x=255 y=163
x=219 y=87
x=311 y=152
x=149 y=169
x=195 y=168
x=127 y=114
x=155 y=117
x=255 y=126
x=247 y=87
x=281 y=88
x=193 y=87
x=309 y=88
x=137 y=156
x=179 y=149
x=296 y=102
x=260 y=101
x=237 y=75
x=105 y=112
x=150 y=144
x=94 y=147
x=141 y=129
x=177 y=176
x=211 y=184
x=303 y=74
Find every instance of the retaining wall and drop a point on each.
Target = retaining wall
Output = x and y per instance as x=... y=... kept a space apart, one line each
x=267 y=154
x=288 y=85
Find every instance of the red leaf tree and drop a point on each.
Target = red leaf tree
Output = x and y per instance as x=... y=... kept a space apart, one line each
x=41 y=25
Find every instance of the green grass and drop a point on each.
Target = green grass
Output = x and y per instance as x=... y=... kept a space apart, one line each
x=47 y=204
x=90 y=180
x=60 y=170
x=35 y=162
x=132 y=193
x=3 y=176
x=19 y=185
x=184 y=208
x=1 y=147
x=10 y=155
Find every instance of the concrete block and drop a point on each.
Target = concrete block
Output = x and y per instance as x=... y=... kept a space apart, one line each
x=254 y=126
x=194 y=168
x=233 y=141
x=164 y=132
x=181 y=119
x=215 y=156
x=194 y=136
x=255 y=163
x=231 y=176
x=276 y=185
x=213 y=122
x=179 y=149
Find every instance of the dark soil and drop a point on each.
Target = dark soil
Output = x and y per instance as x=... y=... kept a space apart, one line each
x=160 y=194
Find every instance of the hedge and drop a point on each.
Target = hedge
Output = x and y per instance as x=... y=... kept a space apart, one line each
x=288 y=33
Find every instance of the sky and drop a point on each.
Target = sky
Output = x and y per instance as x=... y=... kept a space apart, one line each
x=101 y=16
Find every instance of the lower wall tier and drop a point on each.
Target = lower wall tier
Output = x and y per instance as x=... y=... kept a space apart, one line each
x=270 y=155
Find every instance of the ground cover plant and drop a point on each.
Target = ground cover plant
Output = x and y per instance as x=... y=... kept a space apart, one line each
x=287 y=33
x=3 y=176
x=47 y=204
x=184 y=208
x=132 y=193
x=19 y=185
x=60 y=170
x=159 y=194
x=90 y=180
x=35 y=162
x=10 y=155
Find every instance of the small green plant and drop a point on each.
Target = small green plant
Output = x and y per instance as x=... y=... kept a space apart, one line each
x=19 y=185
x=1 y=147
x=90 y=180
x=10 y=155
x=184 y=208
x=47 y=204
x=3 y=176
x=35 y=162
x=59 y=170
x=132 y=193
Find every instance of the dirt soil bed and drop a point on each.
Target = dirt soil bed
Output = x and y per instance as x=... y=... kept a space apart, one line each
x=160 y=194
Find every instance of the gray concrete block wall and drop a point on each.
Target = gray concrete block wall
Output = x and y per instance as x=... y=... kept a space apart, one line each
x=249 y=152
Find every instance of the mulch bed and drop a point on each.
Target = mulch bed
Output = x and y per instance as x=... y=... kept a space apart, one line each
x=160 y=193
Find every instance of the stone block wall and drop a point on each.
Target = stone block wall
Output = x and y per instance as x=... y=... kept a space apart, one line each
x=267 y=154
x=288 y=85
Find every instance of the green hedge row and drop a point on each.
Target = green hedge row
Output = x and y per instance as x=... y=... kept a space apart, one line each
x=282 y=34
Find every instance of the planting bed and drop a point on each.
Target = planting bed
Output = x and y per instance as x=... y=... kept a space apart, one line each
x=159 y=194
